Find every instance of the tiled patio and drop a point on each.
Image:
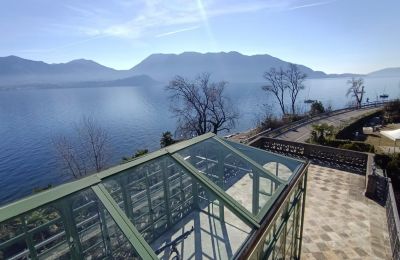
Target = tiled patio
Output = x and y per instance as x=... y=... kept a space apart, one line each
x=340 y=222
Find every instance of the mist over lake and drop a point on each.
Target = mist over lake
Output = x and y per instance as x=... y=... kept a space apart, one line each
x=134 y=118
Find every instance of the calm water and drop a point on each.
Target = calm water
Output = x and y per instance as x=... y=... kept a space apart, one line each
x=134 y=117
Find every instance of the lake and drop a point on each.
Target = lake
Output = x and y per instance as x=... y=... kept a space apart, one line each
x=134 y=118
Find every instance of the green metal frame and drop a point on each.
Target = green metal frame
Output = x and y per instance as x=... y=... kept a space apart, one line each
x=253 y=163
x=55 y=195
x=233 y=205
x=299 y=197
x=126 y=226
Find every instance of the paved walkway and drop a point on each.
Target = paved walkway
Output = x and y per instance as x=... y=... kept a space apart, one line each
x=340 y=222
x=303 y=133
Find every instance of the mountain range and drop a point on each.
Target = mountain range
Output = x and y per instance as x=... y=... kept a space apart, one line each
x=155 y=69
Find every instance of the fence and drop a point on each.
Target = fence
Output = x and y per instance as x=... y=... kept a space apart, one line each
x=393 y=221
x=280 y=130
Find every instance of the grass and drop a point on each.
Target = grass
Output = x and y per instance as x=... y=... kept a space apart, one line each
x=378 y=140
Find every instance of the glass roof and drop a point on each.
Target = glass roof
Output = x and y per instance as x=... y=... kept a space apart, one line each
x=201 y=198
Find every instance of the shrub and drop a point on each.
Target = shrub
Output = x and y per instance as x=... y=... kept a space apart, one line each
x=317 y=108
x=392 y=111
x=382 y=160
x=359 y=147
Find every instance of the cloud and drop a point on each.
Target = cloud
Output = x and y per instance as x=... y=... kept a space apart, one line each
x=147 y=18
x=310 y=5
x=177 y=31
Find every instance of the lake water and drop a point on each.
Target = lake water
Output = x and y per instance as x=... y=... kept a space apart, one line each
x=134 y=118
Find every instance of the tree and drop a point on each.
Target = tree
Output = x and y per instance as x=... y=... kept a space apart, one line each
x=87 y=152
x=200 y=105
x=356 y=90
x=279 y=81
x=317 y=108
x=295 y=79
x=276 y=85
x=166 y=139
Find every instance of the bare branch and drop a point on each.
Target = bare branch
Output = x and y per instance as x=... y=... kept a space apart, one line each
x=88 y=152
x=294 y=78
x=356 y=90
x=276 y=85
x=200 y=105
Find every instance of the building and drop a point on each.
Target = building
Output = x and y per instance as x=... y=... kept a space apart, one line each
x=203 y=198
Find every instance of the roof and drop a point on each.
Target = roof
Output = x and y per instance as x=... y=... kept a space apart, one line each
x=158 y=192
x=392 y=134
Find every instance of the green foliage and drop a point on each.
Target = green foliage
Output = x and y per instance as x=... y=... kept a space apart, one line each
x=140 y=153
x=392 y=111
x=317 y=108
x=321 y=133
x=40 y=189
x=391 y=163
x=166 y=139
x=273 y=122
x=382 y=160
x=137 y=154
x=359 y=147
x=393 y=166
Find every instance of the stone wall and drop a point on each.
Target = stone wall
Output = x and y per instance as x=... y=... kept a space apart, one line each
x=347 y=160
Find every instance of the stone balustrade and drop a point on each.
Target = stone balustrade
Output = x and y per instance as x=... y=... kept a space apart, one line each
x=341 y=159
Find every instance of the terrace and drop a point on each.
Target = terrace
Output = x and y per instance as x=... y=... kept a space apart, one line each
x=205 y=198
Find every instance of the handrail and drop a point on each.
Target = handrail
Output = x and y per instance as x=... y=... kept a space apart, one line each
x=309 y=119
x=393 y=221
x=337 y=158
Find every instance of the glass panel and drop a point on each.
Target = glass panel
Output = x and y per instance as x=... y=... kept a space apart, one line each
x=87 y=221
x=179 y=216
x=48 y=233
x=98 y=234
x=41 y=229
x=12 y=241
x=286 y=165
x=120 y=247
x=246 y=184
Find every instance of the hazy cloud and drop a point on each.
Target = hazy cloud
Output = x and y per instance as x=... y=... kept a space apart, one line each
x=149 y=18
x=177 y=31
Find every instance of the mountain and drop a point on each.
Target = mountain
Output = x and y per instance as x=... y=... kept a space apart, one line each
x=139 y=80
x=18 y=71
x=388 y=72
x=230 y=66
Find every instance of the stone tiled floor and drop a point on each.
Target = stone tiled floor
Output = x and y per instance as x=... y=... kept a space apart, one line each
x=340 y=222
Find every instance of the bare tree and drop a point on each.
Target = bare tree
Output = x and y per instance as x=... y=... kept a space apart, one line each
x=276 y=85
x=70 y=157
x=294 y=78
x=356 y=90
x=200 y=105
x=87 y=152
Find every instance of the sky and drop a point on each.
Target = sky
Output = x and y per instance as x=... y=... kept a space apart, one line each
x=334 y=36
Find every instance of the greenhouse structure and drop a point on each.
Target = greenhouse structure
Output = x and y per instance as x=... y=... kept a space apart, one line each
x=204 y=198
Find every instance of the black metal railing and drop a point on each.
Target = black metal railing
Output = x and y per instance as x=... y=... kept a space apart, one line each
x=393 y=221
x=309 y=119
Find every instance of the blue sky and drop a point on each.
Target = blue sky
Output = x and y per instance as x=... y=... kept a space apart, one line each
x=334 y=36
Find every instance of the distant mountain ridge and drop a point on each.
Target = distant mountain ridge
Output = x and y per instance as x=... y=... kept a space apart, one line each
x=388 y=72
x=18 y=71
x=229 y=66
